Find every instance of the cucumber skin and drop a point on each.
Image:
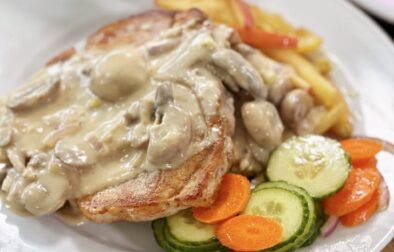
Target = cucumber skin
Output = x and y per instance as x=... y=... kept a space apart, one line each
x=321 y=218
x=158 y=232
x=347 y=157
x=309 y=233
x=209 y=246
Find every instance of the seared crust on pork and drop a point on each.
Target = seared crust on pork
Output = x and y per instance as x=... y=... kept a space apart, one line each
x=160 y=193
x=156 y=194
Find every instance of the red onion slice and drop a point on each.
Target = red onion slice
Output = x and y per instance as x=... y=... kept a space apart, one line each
x=329 y=226
x=384 y=196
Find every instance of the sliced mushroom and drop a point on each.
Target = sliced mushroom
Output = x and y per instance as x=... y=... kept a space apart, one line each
x=169 y=138
x=15 y=184
x=164 y=95
x=271 y=71
x=5 y=136
x=274 y=74
x=225 y=36
x=132 y=113
x=262 y=122
x=34 y=96
x=108 y=137
x=278 y=90
x=295 y=107
x=9 y=179
x=73 y=155
x=3 y=156
x=64 y=130
x=5 y=128
x=49 y=192
x=138 y=135
x=3 y=171
x=248 y=165
x=241 y=71
x=143 y=113
x=194 y=49
x=38 y=161
x=259 y=153
x=164 y=45
x=147 y=110
x=312 y=119
x=219 y=73
x=17 y=159
x=118 y=75
x=239 y=140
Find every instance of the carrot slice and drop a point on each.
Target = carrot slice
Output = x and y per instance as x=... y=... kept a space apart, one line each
x=359 y=188
x=361 y=149
x=363 y=214
x=233 y=195
x=249 y=233
x=369 y=163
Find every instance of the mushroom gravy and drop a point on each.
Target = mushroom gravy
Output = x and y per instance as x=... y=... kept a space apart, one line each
x=98 y=120
x=101 y=118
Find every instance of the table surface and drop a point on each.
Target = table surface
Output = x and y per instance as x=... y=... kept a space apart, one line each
x=389 y=29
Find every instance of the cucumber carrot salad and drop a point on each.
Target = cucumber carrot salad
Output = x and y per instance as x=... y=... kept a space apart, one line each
x=315 y=180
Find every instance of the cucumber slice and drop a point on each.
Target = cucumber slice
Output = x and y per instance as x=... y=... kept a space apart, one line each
x=315 y=163
x=309 y=227
x=287 y=207
x=158 y=227
x=185 y=233
x=185 y=228
x=320 y=219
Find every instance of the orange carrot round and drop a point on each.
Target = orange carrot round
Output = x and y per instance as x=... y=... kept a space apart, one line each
x=361 y=149
x=249 y=233
x=369 y=163
x=233 y=195
x=359 y=188
x=363 y=214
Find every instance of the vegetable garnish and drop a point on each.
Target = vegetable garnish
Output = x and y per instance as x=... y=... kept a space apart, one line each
x=361 y=149
x=264 y=40
x=372 y=162
x=362 y=214
x=249 y=233
x=357 y=191
x=233 y=195
x=329 y=226
x=242 y=12
x=384 y=195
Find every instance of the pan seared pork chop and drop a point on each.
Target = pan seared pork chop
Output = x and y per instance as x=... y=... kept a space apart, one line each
x=154 y=194
x=134 y=124
x=143 y=119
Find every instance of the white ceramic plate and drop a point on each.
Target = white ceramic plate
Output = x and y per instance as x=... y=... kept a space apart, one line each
x=381 y=8
x=33 y=31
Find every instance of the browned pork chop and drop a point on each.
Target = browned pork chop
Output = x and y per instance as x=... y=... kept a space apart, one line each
x=159 y=193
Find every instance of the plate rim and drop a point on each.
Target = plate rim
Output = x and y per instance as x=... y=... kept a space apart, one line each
x=377 y=11
x=376 y=30
x=373 y=26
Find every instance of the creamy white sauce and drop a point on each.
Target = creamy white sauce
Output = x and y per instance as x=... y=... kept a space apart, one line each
x=98 y=120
